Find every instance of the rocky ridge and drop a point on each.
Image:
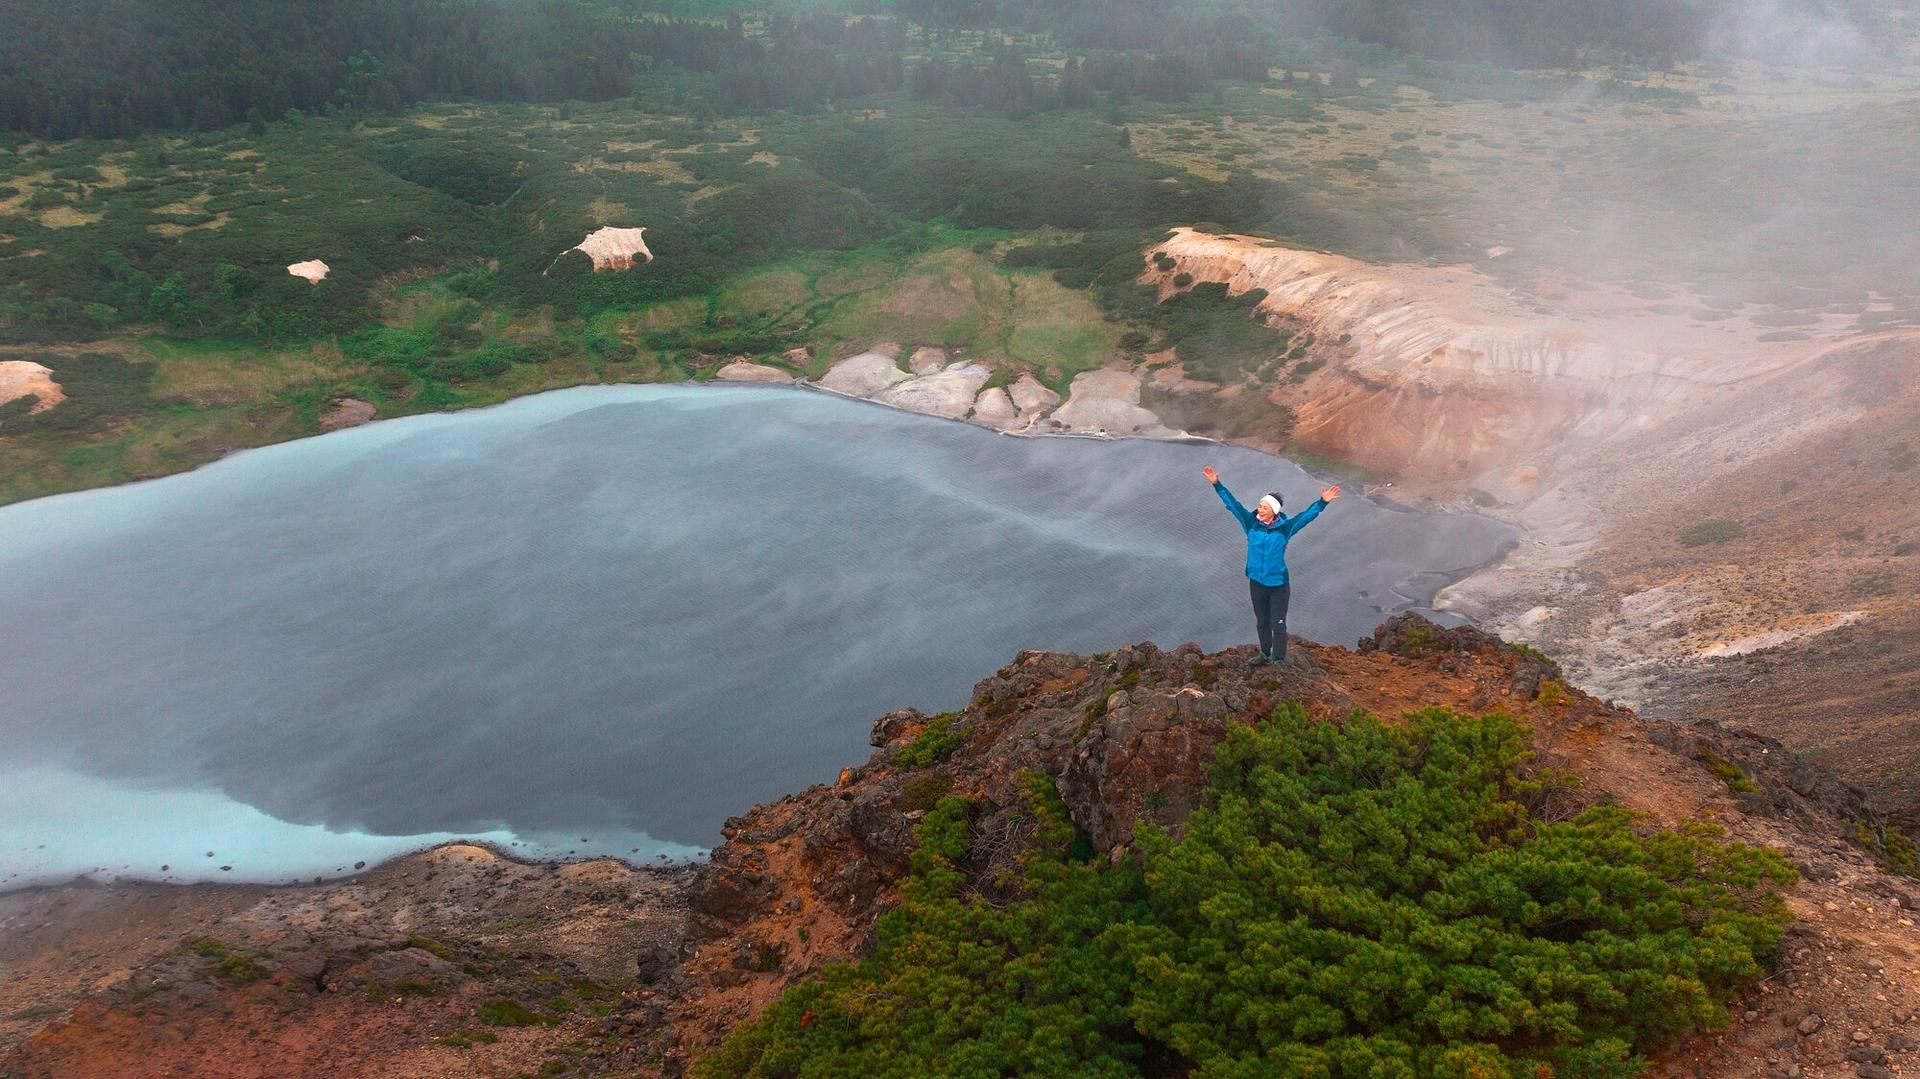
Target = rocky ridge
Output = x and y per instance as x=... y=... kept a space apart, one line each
x=799 y=882
x=625 y=970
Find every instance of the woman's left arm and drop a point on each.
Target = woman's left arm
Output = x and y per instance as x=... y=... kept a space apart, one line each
x=1306 y=516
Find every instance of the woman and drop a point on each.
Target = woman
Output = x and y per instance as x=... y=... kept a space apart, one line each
x=1268 y=531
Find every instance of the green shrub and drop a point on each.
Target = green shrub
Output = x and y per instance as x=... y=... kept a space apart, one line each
x=1718 y=530
x=1355 y=900
x=1216 y=335
x=932 y=745
x=1417 y=639
x=1891 y=847
x=1551 y=694
x=924 y=792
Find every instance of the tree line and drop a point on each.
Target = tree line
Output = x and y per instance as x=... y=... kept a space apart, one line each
x=118 y=68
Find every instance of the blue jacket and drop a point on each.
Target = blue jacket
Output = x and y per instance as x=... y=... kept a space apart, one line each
x=1267 y=544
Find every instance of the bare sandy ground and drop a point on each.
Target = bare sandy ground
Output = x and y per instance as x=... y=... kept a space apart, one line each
x=19 y=378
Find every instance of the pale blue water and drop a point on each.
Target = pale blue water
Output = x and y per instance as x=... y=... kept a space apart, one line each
x=600 y=620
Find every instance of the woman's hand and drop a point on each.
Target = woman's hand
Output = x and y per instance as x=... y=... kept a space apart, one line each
x=1330 y=493
x=1212 y=476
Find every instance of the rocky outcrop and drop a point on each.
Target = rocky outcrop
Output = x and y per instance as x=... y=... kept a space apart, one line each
x=1127 y=737
x=1030 y=397
x=347 y=412
x=1107 y=402
x=1444 y=373
x=408 y=969
x=994 y=408
x=863 y=375
x=745 y=370
x=313 y=271
x=948 y=392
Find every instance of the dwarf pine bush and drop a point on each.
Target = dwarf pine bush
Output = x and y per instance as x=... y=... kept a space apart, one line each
x=1356 y=899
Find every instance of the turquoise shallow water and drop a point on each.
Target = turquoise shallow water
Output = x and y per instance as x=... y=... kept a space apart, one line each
x=595 y=621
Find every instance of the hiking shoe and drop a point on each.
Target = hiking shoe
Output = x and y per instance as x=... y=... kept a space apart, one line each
x=1264 y=657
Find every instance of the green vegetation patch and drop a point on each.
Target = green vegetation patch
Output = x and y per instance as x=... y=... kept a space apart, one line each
x=932 y=745
x=1734 y=776
x=100 y=391
x=1355 y=900
x=227 y=962
x=1718 y=530
x=1891 y=847
x=504 y=1012
x=1216 y=335
x=466 y=1039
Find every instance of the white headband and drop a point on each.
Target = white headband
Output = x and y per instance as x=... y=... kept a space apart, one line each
x=1272 y=504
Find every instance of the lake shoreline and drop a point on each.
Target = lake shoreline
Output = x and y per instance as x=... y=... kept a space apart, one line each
x=1426 y=583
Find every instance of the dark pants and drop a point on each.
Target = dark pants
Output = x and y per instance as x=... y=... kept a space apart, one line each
x=1270 y=616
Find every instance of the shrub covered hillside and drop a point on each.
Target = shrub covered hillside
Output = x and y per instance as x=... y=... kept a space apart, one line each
x=1354 y=899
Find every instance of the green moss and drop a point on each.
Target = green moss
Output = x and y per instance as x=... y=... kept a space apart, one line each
x=1734 y=776
x=503 y=1012
x=466 y=1039
x=1718 y=530
x=1534 y=654
x=432 y=947
x=229 y=963
x=505 y=925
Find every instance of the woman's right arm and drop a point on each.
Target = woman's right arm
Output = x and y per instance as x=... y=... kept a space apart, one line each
x=1240 y=513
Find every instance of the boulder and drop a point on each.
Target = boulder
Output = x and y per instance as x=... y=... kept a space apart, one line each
x=994 y=408
x=742 y=370
x=1030 y=397
x=926 y=360
x=1147 y=760
x=863 y=375
x=949 y=392
x=1107 y=402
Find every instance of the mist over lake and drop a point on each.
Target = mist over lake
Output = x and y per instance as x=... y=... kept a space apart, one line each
x=600 y=619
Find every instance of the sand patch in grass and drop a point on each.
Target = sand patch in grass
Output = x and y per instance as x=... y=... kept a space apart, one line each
x=173 y=228
x=192 y=207
x=66 y=217
x=19 y=378
x=24 y=186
